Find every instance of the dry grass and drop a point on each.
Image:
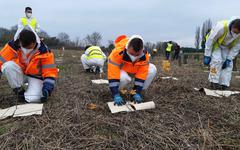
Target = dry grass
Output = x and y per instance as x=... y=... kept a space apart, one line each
x=183 y=119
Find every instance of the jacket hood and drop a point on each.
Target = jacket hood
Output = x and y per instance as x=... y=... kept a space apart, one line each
x=134 y=37
x=233 y=18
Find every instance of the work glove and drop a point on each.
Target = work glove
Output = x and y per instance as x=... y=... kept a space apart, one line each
x=207 y=60
x=137 y=98
x=118 y=100
x=226 y=64
x=45 y=94
x=48 y=86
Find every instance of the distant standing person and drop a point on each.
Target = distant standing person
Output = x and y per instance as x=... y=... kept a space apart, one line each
x=169 y=49
x=222 y=46
x=28 y=22
x=176 y=52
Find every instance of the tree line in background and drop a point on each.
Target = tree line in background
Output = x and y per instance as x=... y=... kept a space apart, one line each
x=61 y=40
x=201 y=33
x=64 y=40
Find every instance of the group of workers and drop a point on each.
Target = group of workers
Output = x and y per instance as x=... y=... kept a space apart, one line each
x=174 y=48
x=222 y=46
x=128 y=59
x=26 y=59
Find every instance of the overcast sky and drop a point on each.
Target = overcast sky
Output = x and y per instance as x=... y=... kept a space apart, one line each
x=155 y=20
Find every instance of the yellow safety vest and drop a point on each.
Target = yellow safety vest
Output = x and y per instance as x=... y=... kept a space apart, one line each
x=169 y=47
x=221 y=39
x=95 y=52
x=33 y=22
x=207 y=36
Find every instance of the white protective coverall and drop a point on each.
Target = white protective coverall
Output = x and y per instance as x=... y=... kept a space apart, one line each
x=16 y=79
x=220 y=54
x=125 y=79
x=93 y=57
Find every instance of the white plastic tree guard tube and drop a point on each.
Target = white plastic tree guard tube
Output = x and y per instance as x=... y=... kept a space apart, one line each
x=166 y=78
x=100 y=81
x=130 y=107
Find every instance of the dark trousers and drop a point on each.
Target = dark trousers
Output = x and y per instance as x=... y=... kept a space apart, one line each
x=176 y=55
x=168 y=55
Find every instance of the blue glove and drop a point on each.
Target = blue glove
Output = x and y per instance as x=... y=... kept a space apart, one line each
x=118 y=100
x=45 y=95
x=226 y=64
x=48 y=86
x=137 y=98
x=43 y=48
x=207 y=60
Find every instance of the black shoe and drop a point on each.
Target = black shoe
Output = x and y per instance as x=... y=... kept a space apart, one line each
x=19 y=91
x=215 y=86
x=97 y=70
x=20 y=94
x=88 y=70
x=22 y=99
x=224 y=87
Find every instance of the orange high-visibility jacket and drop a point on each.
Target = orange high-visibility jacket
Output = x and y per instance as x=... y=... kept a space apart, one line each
x=119 y=60
x=39 y=63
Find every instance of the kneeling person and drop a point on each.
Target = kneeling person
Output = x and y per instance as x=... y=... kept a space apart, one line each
x=28 y=61
x=93 y=59
x=129 y=58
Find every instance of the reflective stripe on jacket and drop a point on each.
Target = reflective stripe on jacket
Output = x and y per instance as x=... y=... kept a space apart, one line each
x=220 y=40
x=95 y=52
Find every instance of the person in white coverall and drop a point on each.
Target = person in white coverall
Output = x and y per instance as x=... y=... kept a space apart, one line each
x=222 y=46
x=93 y=59
x=26 y=60
x=28 y=22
